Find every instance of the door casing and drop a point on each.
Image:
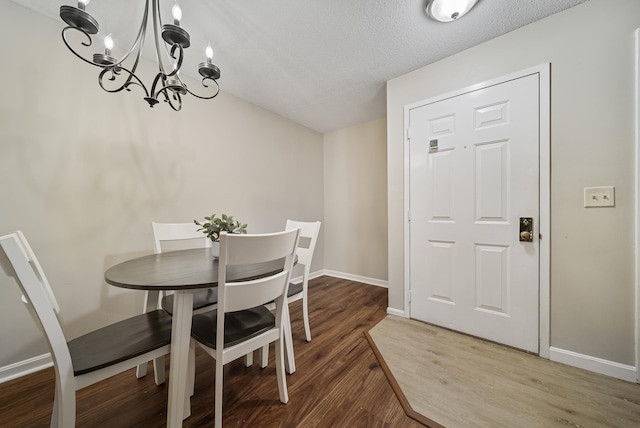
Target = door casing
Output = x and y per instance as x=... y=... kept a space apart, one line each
x=544 y=72
x=637 y=199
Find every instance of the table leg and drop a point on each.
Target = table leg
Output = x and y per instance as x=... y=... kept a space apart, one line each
x=178 y=408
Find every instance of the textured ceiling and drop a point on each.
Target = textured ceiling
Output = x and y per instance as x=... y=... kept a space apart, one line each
x=321 y=63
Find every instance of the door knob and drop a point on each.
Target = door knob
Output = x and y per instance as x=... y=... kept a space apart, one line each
x=526 y=229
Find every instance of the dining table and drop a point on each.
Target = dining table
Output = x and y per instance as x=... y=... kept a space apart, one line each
x=184 y=272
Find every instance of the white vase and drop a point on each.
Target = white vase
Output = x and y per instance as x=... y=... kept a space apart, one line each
x=215 y=249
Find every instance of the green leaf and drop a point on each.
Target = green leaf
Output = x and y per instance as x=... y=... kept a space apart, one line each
x=215 y=225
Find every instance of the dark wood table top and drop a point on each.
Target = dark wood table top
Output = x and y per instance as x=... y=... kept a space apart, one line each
x=184 y=269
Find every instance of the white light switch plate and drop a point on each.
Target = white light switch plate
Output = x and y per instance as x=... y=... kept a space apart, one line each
x=599 y=196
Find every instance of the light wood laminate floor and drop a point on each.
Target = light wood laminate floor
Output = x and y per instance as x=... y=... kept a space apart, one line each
x=460 y=381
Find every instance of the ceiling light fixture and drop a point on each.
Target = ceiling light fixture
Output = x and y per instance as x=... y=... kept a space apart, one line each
x=448 y=10
x=115 y=77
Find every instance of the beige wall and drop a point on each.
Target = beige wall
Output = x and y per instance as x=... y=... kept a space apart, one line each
x=84 y=172
x=590 y=48
x=356 y=200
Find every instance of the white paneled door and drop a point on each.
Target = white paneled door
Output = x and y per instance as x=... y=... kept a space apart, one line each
x=474 y=174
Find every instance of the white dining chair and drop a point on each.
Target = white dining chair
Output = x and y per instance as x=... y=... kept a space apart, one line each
x=92 y=357
x=242 y=324
x=309 y=232
x=175 y=236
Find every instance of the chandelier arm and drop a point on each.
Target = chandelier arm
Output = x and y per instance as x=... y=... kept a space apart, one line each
x=157 y=26
x=117 y=67
x=132 y=73
x=158 y=44
x=66 y=42
x=206 y=86
x=178 y=65
x=169 y=96
x=177 y=98
x=139 y=41
x=117 y=70
x=158 y=78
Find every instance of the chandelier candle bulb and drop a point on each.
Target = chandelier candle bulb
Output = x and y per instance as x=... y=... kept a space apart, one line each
x=108 y=45
x=82 y=4
x=208 y=52
x=177 y=14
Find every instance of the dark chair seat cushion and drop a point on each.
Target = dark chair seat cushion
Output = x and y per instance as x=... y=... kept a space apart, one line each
x=294 y=289
x=238 y=326
x=120 y=341
x=201 y=299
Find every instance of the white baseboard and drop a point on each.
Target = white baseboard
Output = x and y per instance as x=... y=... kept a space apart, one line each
x=365 y=280
x=358 y=278
x=397 y=312
x=597 y=365
x=298 y=279
x=23 y=368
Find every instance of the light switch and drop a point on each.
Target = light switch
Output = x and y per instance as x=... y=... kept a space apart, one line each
x=599 y=196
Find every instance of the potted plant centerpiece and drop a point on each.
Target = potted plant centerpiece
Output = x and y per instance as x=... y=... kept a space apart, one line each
x=213 y=226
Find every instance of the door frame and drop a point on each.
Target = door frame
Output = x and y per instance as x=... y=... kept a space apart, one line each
x=544 y=78
x=637 y=197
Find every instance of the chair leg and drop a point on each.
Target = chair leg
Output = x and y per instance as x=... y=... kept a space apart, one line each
x=151 y=302
x=248 y=359
x=264 y=356
x=64 y=408
x=305 y=315
x=218 y=393
x=54 y=414
x=288 y=343
x=158 y=370
x=282 y=378
x=191 y=368
x=141 y=370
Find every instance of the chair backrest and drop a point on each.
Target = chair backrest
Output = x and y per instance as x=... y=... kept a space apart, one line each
x=37 y=269
x=178 y=232
x=18 y=261
x=309 y=230
x=236 y=249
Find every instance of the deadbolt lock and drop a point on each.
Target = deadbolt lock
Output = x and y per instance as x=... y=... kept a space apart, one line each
x=526 y=229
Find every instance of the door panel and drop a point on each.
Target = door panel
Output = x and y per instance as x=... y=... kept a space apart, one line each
x=469 y=271
x=442 y=173
x=441 y=272
x=492 y=182
x=492 y=282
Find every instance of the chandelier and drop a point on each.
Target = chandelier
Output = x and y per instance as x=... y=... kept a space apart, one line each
x=170 y=42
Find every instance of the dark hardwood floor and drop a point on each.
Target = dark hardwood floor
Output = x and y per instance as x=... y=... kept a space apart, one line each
x=338 y=382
